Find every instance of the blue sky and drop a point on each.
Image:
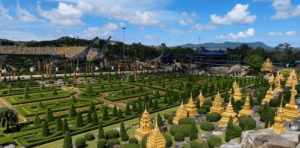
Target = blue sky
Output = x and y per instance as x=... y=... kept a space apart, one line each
x=152 y=22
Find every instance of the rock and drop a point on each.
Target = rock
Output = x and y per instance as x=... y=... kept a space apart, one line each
x=292 y=136
x=266 y=138
x=233 y=143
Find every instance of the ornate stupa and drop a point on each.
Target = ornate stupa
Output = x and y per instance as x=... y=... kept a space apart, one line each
x=267 y=66
x=217 y=104
x=237 y=95
x=191 y=108
x=227 y=115
x=278 y=126
x=181 y=113
x=277 y=82
x=292 y=80
x=291 y=109
x=156 y=139
x=201 y=99
x=145 y=126
x=269 y=96
x=246 y=110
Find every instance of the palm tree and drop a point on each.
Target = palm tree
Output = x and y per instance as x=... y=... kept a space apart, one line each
x=8 y=118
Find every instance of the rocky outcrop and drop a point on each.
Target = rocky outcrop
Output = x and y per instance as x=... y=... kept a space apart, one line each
x=266 y=138
x=234 y=143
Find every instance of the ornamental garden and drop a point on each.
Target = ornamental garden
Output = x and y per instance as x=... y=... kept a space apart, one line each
x=148 y=111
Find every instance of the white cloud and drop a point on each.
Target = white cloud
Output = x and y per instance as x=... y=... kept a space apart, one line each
x=65 y=14
x=203 y=27
x=285 y=9
x=24 y=15
x=4 y=13
x=240 y=35
x=288 y=33
x=237 y=15
x=103 y=31
x=152 y=37
x=187 y=18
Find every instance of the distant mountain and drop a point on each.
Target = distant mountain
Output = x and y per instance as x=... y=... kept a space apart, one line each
x=225 y=45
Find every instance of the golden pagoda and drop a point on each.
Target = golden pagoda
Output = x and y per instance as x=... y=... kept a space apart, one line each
x=278 y=126
x=291 y=109
x=227 y=115
x=145 y=126
x=267 y=66
x=269 y=96
x=292 y=80
x=237 y=95
x=246 y=110
x=217 y=104
x=191 y=108
x=277 y=82
x=201 y=99
x=271 y=79
x=181 y=113
x=156 y=139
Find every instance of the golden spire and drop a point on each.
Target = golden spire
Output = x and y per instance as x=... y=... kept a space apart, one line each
x=145 y=126
x=156 y=139
x=277 y=82
x=237 y=95
x=292 y=80
x=227 y=115
x=181 y=113
x=201 y=98
x=267 y=66
x=291 y=109
x=191 y=108
x=271 y=79
x=246 y=110
x=278 y=126
x=217 y=104
x=269 y=96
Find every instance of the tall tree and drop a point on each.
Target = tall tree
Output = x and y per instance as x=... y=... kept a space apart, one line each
x=100 y=131
x=68 y=140
x=46 y=131
x=8 y=118
x=123 y=132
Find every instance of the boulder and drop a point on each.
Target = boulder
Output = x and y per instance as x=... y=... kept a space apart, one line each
x=233 y=143
x=266 y=138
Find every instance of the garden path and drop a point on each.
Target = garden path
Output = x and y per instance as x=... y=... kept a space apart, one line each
x=4 y=103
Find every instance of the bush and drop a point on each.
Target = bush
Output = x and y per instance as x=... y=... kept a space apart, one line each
x=133 y=140
x=183 y=129
x=112 y=134
x=247 y=123
x=204 y=109
x=187 y=121
x=169 y=140
x=179 y=137
x=80 y=142
x=130 y=145
x=213 y=117
x=101 y=143
x=207 y=126
x=214 y=141
x=113 y=142
x=196 y=144
x=89 y=137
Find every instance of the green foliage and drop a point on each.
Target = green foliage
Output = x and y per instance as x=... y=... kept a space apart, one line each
x=105 y=113
x=159 y=120
x=79 y=120
x=50 y=116
x=232 y=131
x=196 y=144
x=65 y=126
x=169 y=140
x=89 y=136
x=179 y=137
x=113 y=142
x=214 y=141
x=80 y=142
x=67 y=140
x=100 y=131
x=187 y=121
x=123 y=132
x=133 y=140
x=207 y=126
x=247 y=123
x=94 y=118
x=213 y=117
x=59 y=124
x=267 y=114
x=72 y=111
x=37 y=120
x=130 y=145
x=101 y=143
x=112 y=134
x=46 y=131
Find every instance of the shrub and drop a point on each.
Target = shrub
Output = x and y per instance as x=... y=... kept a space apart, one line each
x=179 y=137
x=130 y=145
x=207 y=126
x=113 y=142
x=247 y=123
x=214 y=141
x=213 y=117
x=89 y=136
x=196 y=144
x=80 y=142
x=203 y=109
x=133 y=140
x=183 y=129
x=112 y=134
x=101 y=143
x=169 y=140
x=232 y=131
x=187 y=121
